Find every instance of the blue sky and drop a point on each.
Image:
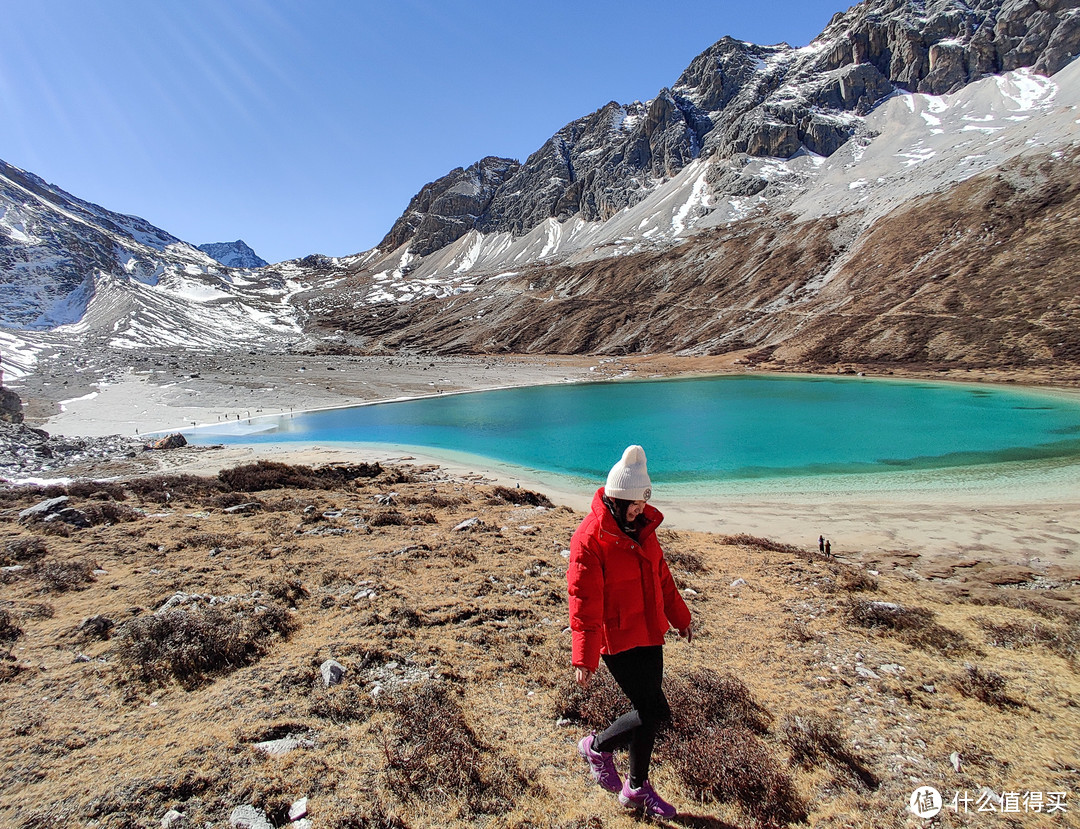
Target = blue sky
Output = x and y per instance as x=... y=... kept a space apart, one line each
x=305 y=126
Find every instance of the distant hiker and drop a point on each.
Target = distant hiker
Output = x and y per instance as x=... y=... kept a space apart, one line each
x=828 y=548
x=821 y=543
x=622 y=602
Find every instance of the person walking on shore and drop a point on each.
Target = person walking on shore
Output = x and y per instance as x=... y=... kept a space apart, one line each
x=622 y=602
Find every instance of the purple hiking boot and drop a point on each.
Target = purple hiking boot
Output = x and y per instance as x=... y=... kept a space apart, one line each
x=601 y=764
x=646 y=799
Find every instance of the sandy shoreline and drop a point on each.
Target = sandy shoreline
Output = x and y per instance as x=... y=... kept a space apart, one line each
x=1015 y=518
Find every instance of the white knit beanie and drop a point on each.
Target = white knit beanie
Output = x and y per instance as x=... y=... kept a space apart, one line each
x=629 y=479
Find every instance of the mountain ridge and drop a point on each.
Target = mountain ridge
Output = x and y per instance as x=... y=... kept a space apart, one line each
x=805 y=148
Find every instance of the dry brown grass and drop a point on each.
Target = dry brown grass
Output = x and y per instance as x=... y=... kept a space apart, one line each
x=457 y=672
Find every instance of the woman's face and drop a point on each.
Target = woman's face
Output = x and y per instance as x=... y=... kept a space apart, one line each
x=635 y=509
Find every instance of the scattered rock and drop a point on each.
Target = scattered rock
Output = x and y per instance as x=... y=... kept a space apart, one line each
x=332 y=672
x=171 y=819
x=248 y=817
x=865 y=672
x=72 y=516
x=467 y=524
x=954 y=758
x=738 y=583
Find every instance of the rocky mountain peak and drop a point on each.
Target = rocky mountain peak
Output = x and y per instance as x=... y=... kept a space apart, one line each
x=738 y=100
x=445 y=210
x=233 y=254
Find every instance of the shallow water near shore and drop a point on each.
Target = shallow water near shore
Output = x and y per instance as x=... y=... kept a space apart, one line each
x=733 y=433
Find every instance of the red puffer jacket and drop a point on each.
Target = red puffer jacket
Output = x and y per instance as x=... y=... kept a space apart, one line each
x=622 y=595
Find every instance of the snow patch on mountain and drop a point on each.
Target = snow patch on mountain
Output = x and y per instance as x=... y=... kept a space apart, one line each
x=234 y=254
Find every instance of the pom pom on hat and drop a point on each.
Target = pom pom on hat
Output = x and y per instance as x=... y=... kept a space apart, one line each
x=629 y=478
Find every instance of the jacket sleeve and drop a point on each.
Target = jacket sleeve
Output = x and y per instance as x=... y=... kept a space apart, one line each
x=675 y=608
x=585 y=581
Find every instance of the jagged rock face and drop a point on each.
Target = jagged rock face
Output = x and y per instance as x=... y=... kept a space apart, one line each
x=445 y=210
x=233 y=254
x=597 y=165
x=978 y=275
x=737 y=99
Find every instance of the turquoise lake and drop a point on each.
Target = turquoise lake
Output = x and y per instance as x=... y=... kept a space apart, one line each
x=705 y=429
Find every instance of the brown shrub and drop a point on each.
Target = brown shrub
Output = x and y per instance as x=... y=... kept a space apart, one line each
x=685 y=560
x=434 y=499
x=341 y=703
x=288 y=591
x=433 y=754
x=95 y=627
x=61 y=576
x=595 y=705
x=23 y=549
x=767 y=544
x=9 y=631
x=732 y=764
x=914 y=625
x=984 y=685
x=188 y=645
x=521 y=497
x=854 y=579
x=814 y=739
x=203 y=540
x=109 y=512
x=163 y=488
x=1064 y=640
x=388 y=518
x=703 y=699
x=96 y=489
x=264 y=475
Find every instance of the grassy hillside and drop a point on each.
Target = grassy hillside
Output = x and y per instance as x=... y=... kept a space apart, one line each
x=817 y=691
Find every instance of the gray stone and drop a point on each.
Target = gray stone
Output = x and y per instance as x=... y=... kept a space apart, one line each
x=243 y=509
x=332 y=672
x=172 y=818
x=467 y=524
x=248 y=817
x=70 y=515
x=45 y=508
x=298 y=809
x=283 y=745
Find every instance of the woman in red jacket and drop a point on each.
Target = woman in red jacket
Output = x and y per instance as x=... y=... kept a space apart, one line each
x=622 y=602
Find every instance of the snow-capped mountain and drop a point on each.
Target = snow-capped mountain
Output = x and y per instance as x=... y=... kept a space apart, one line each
x=904 y=189
x=937 y=232
x=737 y=102
x=77 y=269
x=233 y=254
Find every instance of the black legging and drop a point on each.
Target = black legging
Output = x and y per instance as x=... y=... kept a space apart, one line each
x=639 y=672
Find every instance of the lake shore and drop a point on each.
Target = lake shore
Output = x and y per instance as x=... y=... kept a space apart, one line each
x=1023 y=519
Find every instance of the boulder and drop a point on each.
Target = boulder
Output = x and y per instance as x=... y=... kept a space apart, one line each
x=42 y=510
x=332 y=672
x=10 y=406
x=172 y=441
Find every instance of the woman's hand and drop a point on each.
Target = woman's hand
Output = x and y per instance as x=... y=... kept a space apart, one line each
x=687 y=633
x=582 y=676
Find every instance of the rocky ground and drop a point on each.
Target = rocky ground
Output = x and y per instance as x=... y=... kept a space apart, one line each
x=165 y=641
